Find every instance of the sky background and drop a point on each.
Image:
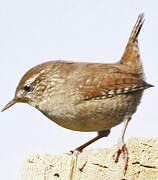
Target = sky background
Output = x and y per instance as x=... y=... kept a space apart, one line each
x=35 y=31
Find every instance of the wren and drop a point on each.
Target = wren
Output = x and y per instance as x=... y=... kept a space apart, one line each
x=87 y=96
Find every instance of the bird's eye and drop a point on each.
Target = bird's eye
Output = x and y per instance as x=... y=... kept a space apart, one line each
x=27 y=88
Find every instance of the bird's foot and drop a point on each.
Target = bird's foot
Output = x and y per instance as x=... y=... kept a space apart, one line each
x=122 y=149
x=75 y=152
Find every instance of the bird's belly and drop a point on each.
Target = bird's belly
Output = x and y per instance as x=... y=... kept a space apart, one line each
x=95 y=115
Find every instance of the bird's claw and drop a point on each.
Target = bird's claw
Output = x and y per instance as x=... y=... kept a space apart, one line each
x=122 y=149
x=74 y=152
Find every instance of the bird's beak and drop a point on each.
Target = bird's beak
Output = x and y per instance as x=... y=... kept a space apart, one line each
x=11 y=103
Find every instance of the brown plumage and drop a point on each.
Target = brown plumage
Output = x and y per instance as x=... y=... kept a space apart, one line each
x=87 y=96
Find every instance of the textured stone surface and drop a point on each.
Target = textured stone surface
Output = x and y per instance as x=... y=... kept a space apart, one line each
x=97 y=164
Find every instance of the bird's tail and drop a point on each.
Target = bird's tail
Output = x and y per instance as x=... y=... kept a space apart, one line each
x=131 y=54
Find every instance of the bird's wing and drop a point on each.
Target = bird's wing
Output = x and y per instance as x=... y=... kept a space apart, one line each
x=110 y=85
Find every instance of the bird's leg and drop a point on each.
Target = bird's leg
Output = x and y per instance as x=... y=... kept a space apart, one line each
x=122 y=146
x=100 y=135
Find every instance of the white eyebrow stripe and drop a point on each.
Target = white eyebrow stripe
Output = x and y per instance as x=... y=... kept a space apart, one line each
x=34 y=77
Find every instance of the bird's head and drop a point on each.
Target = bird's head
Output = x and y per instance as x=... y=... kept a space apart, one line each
x=31 y=87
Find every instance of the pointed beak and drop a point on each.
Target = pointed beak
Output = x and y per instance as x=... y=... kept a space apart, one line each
x=11 y=103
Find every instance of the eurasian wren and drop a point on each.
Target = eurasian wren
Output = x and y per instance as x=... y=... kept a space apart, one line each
x=87 y=96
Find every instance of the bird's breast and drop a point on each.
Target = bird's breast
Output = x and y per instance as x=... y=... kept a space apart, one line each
x=93 y=115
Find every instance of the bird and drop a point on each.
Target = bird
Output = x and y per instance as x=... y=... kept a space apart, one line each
x=87 y=97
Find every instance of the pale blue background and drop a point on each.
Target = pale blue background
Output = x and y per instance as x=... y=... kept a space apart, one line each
x=36 y=31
